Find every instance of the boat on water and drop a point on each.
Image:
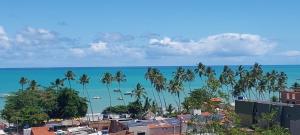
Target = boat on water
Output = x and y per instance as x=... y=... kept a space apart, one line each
x=120 y=98
x=96 y=97
x=128 y=93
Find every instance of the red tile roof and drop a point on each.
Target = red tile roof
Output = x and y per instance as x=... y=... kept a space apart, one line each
x=216 y=99
x=41 y=131
x=205 y=114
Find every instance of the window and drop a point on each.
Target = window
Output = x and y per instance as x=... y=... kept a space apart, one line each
x=287 y=95
x=293 y=96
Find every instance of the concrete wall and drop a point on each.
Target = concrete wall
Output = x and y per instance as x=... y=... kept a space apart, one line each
x=164 y=130
x=138 y=129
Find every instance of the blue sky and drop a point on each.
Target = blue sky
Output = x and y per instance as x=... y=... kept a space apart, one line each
x=139 y=33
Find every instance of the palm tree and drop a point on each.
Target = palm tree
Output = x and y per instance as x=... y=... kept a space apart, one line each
x=170 y=109
x=107 y=79
x=227 y=78
x=189 y=77
x=261 y=87
x=139 y=92
x=256 y=75
x=149 y=75
x=160 y=84
x=22 y=82
x=179 y=74
x=120 y=77
x=70 y=75
x=58 y=83
x=175 y=87
x=281 y=82
x=200 y=70
x=33 y=85
x=296 y=85
x=84 y=80
x=271 y=82
x=209 y=72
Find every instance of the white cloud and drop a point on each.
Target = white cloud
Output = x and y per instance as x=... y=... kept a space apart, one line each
x=114 y=37
x=78 y=52
x=35 y=36
x=98 y=46
x=291 y=53
x=227 y=44
x=4 y=40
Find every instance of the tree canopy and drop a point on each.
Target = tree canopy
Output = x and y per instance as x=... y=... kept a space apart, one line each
x=32 y=107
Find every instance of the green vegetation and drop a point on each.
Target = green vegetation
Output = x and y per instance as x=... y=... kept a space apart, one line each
x=34 y=106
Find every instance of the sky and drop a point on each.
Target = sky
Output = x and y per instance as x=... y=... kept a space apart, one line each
x=92 y=33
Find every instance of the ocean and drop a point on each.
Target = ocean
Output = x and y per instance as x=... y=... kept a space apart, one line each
x=9 y=78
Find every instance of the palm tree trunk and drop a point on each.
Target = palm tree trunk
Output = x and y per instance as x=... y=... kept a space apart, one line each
x=161 y=106
x=121 y=93
x=164 y=99
x=70 y=84
x=22 y=87
x=88 y=96
x=190 y=87
x=174 y=99
x=179 y=106
x=154 y=95
x=109 y=98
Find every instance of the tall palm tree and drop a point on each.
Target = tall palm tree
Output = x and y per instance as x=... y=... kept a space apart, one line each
x=200 y=70
x=281 y=82
x=271 y=82
x=160 y=84
x=120 y=77
x=107 y=79
x=139 y=92
x=58 y=83
x=189 y=77
x=149 y=75
x=179 y=74
x=84 y=80
x=209 y=72
x=227 y=78
x=33 y=85
x=256 y=75
x=70 y=75
x=175 y=87
x=22 y=82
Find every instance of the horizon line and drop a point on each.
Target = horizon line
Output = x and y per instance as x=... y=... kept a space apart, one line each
x=45 y=67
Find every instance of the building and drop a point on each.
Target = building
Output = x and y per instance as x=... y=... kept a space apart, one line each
x=291 y=96
x=250 y=112
x=161 y=126
x=41 y=131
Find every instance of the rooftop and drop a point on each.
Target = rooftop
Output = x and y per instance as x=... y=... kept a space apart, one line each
x=41 y=131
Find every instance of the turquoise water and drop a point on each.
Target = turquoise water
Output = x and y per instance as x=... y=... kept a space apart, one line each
x=9 y=78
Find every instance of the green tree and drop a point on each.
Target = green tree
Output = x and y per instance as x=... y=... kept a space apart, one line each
x=58 y=83
x=107 y=79
x=70 y=76
x=70 y=104
x=22 y=82
x=189 y=77
x=84 y=80
x=149 y=75
x=120 y=77
x=200 y=70
x=118 y=109
x=170 y=109
x=136 y=109
x=139 y=92
x=175 y=87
